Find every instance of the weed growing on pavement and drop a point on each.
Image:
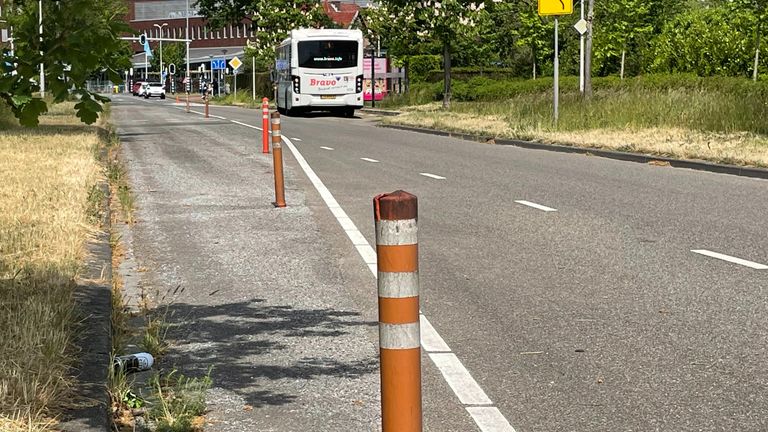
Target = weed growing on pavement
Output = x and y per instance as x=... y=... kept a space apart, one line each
x=178 y=402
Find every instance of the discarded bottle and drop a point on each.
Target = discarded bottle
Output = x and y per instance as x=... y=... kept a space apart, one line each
x=134 y=363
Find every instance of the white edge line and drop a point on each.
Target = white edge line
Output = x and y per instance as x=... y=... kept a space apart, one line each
x=536 y=206
x=246 y=125
x=490 y=419
x=746 y=263
x=434 y=176
x=464 y=386
x=459 y=379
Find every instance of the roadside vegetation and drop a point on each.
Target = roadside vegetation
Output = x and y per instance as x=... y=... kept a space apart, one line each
x=717 y=119
x=48 y=205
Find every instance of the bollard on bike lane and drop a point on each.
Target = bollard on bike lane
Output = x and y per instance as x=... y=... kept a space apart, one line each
x=265 y=124
x=399 y=333
x=206 y=107
x=277 y=158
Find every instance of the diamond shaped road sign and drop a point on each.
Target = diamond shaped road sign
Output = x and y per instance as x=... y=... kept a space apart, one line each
x=235 y=63
x=581 y=26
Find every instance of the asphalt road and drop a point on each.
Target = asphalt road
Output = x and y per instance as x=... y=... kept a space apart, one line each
x=597 y=316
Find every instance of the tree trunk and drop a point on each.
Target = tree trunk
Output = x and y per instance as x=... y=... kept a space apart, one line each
x=446 y=75
x=588 y=51
x=623 y=58
x=757 y=54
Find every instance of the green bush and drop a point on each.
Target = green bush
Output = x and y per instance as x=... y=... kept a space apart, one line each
x=419 y=66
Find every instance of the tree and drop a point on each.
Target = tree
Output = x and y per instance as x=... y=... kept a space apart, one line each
x=80 y=38
x=271 y=20
x=447 y=21
x=621 y=22
x=709 y=41
x=173 y=52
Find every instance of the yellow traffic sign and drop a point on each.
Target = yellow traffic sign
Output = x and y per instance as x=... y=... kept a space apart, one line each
x=555 y=7
x=235 y=63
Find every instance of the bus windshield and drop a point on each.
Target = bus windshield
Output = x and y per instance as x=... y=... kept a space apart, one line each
x=328 y=54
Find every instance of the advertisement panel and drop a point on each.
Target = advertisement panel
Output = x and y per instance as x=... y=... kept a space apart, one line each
x=379 y=70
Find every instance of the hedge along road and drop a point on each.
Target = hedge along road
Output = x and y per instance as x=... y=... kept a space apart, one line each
x=595 y=316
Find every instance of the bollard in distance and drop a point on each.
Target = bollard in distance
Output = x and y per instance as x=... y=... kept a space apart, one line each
x=187 y=101
x=206 y=107
x=277 y=159
x=399 y=333
x=265 y=125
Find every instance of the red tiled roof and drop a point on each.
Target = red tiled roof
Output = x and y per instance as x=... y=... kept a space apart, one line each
x=341 y=13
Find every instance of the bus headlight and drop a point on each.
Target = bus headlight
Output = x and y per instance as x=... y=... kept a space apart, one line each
x=296 y=84
x=359 y=84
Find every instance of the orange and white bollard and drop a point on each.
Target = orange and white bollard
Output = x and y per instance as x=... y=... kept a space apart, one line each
x=398 y=282
x=265 y=125
x=206 y=107
x=277 y=158
x=177 y=99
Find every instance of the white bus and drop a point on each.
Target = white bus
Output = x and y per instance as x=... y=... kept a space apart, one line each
x=320 y=70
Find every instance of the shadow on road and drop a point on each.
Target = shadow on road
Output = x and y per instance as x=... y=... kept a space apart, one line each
x=241 y=340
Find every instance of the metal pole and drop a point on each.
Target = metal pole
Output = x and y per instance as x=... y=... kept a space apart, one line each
x=189 y=81
x=253 y=86
x=581 y=55
x=42 y=67
x=557 y=74
x=373 y=80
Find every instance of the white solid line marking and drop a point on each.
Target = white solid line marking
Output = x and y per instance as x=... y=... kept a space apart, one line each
x=296 y=139
x=536 y=206
x=246 y=125
x=369 y=160
x=490 y=419
x=326 y=148
x=458 y=377
x=218 y=117
x=430 y=338
x=434 y=176
x=750 y=264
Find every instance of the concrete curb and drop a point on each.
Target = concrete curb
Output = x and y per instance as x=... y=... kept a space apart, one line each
x=93 y=297
x=699 y=165
x=379 y=111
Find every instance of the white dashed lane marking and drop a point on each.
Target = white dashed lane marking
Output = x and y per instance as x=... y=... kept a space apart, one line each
x=746 y=263
x=326 y=148
x=369 y=160
x=434 y=176
x=536 y=206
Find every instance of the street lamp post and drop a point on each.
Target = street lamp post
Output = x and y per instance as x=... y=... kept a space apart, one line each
x=224 y=54
x=189 y=83
x=160 y=30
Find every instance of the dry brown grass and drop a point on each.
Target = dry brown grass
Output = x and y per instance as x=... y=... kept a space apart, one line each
x=47 y=175
x=734 y=148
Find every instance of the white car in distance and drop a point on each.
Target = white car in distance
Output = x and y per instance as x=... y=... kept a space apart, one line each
x=153 y=89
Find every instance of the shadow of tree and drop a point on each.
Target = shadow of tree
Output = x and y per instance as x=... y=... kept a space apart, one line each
x=232 y=337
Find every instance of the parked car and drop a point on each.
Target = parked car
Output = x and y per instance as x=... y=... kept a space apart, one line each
x=136 y=88
x=154 y=89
